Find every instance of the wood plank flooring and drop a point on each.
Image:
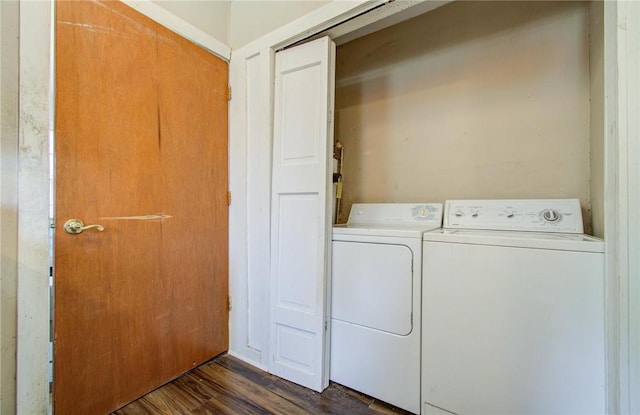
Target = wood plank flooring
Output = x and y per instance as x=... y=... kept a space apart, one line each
x=226 y=385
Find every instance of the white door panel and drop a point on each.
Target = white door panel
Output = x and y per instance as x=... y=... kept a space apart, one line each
x=301 y=213
x=372 y=286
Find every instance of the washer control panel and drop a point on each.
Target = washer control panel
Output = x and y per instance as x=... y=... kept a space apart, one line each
x=540 y=215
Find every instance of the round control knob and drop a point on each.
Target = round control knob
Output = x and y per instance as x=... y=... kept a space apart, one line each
x=459 y=214
x=551 y=215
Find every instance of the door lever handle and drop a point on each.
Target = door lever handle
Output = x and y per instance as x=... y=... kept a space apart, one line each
x=74 y=226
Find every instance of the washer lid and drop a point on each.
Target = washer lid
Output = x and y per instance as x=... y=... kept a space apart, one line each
x=537 y=240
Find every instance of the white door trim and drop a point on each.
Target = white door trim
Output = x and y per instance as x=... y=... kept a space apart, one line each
x=32 y=386
x=327 y=16
x=625 y=167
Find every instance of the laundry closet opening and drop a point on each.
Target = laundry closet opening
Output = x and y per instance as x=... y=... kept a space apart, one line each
x=470 y=100
x=476 y=100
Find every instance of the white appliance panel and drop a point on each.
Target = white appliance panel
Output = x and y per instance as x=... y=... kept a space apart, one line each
x=539 y=215
x=372 y=286
x=418 y=215
x=512 y=330
x=378 y=364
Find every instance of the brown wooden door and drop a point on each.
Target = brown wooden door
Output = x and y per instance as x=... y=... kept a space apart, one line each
x=141 y=148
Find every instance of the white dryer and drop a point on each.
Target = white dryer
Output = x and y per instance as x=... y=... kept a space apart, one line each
x=375 y=300
x=513 y=311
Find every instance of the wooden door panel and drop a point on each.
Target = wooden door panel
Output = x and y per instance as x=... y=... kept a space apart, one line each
x=141 y=148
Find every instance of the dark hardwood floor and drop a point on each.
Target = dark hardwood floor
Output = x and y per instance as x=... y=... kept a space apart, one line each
x=226 y=385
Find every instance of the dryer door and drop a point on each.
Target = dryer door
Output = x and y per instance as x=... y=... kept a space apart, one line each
x=372 y=286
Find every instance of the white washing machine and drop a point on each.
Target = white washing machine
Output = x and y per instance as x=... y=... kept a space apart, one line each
x=375 y=300
x=513 y=311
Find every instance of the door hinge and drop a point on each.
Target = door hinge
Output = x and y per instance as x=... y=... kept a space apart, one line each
x=229 y=93
x=229 y=197
x=229 y=303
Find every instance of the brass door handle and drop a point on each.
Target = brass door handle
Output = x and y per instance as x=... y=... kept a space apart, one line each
x=74 y=226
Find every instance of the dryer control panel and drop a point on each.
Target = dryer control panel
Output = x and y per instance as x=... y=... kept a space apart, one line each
x=539 y=215
x=403 y=214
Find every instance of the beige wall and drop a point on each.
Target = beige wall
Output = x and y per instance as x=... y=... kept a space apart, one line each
x=473 y=100
x=8 y=201
x=212 y=17
x=251 y=19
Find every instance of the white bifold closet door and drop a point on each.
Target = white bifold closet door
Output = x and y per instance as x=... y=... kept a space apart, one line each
x=301 y=213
